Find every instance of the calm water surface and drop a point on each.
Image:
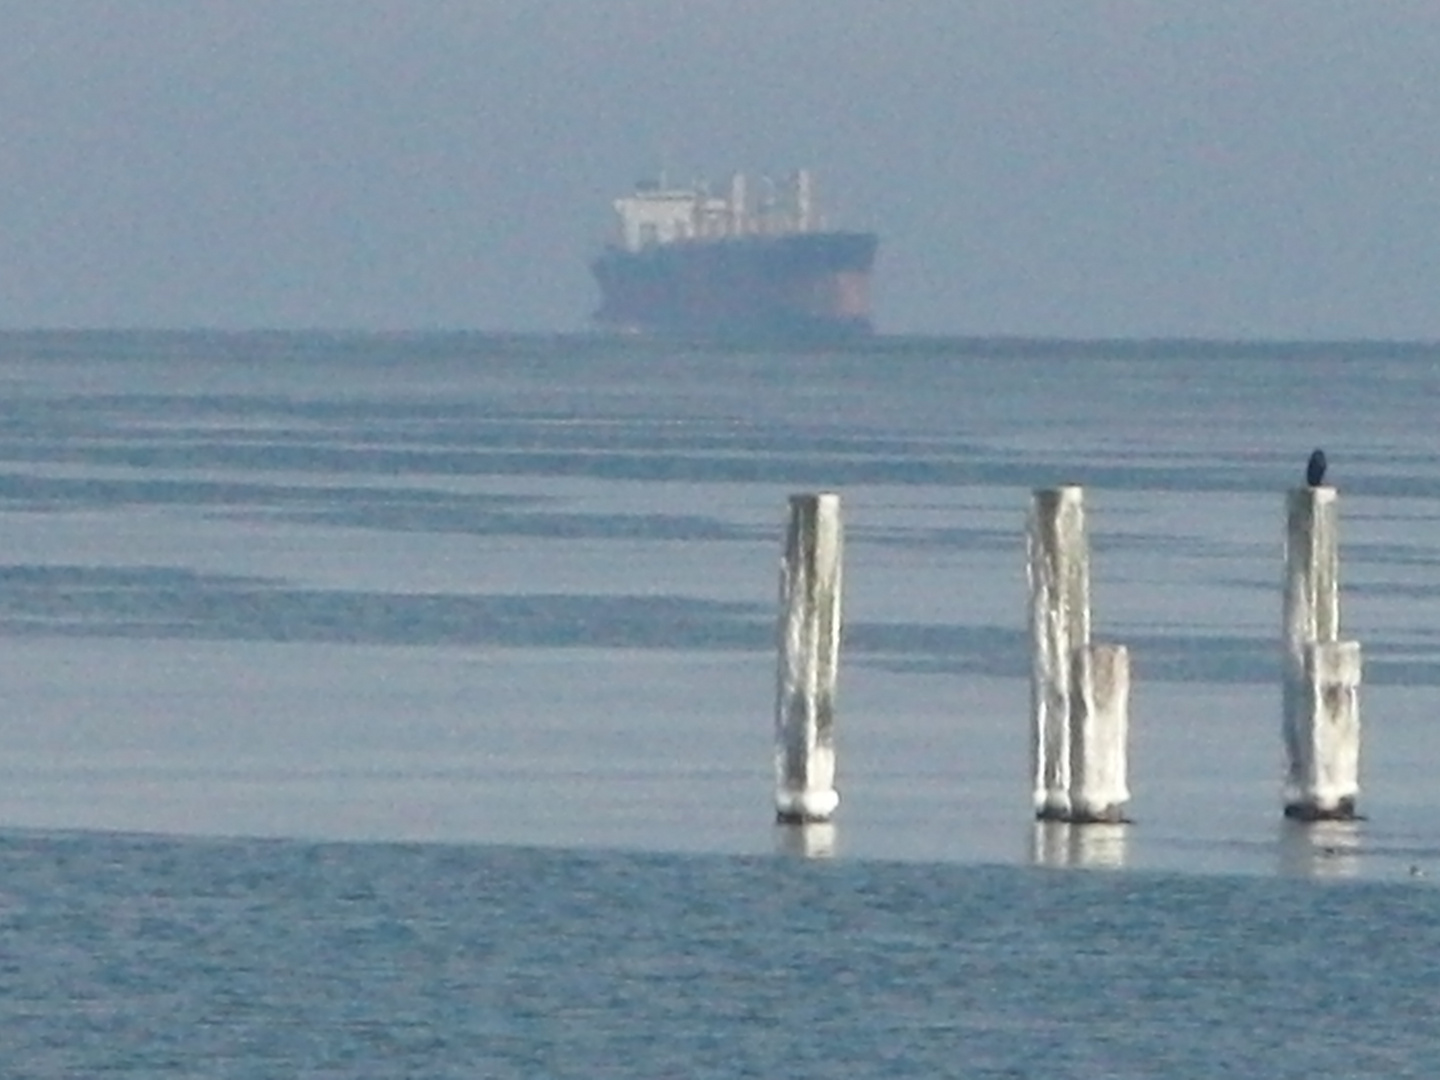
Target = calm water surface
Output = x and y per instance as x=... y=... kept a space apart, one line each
x=472 y=638
x=150 y=957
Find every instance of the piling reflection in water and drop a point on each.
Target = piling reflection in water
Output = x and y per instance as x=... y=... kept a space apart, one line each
x=1059 y=844
x=1322 y=849
x=810 y=840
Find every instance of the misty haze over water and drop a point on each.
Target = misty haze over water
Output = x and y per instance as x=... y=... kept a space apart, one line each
x=1099 y=170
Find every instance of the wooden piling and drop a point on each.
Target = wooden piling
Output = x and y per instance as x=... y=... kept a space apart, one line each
x=809 y=653
x=1325 y=778
x=1321 y=739
x=1058 y=564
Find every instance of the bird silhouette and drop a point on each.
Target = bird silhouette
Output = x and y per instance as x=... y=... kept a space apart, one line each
x=1315 y=469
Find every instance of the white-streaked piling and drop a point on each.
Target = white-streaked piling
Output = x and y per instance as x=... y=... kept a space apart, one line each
x=1058 y=564
x=1320 y=688
x=1099 y=728
x=1311 y=601
x=809 y=654
x=1325 y=777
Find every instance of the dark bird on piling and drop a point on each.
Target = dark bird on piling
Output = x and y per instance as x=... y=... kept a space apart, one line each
x=1315 y=469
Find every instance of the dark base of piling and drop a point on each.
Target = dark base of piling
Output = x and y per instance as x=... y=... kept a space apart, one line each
x=796 y=818
x=1111 y=816
x=1307 y=812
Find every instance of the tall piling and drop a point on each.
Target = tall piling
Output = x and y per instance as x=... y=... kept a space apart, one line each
x=1311 y=602
x=809 y=654
x=1058 y=565
x=1321 y=674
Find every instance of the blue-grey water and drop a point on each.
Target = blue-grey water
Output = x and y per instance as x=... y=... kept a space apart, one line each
x=401 y=706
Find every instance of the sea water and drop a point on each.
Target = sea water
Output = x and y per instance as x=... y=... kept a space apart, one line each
x=401 y=706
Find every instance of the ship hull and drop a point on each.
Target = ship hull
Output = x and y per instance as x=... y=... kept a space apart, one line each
x=807 y=286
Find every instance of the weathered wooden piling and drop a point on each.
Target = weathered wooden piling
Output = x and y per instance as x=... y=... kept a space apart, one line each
x=1059 y=574
x=1099 y=722
x=1321 y=674
x=1311 y=598
x=809 y=653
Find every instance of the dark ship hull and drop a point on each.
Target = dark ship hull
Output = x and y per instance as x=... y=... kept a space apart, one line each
x=793 y=286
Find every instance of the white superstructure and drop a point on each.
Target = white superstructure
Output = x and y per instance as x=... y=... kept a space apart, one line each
x=657 y=214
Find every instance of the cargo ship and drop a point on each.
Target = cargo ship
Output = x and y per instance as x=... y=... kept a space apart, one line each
x=748 y=264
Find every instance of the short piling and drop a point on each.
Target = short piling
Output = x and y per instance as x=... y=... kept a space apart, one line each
x=1058 y=564
x=1099 y=723
x=1325 y=777
x=1320 y=688
x=809 y=653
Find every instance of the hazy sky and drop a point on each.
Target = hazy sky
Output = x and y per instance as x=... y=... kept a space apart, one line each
x=1237 y=168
